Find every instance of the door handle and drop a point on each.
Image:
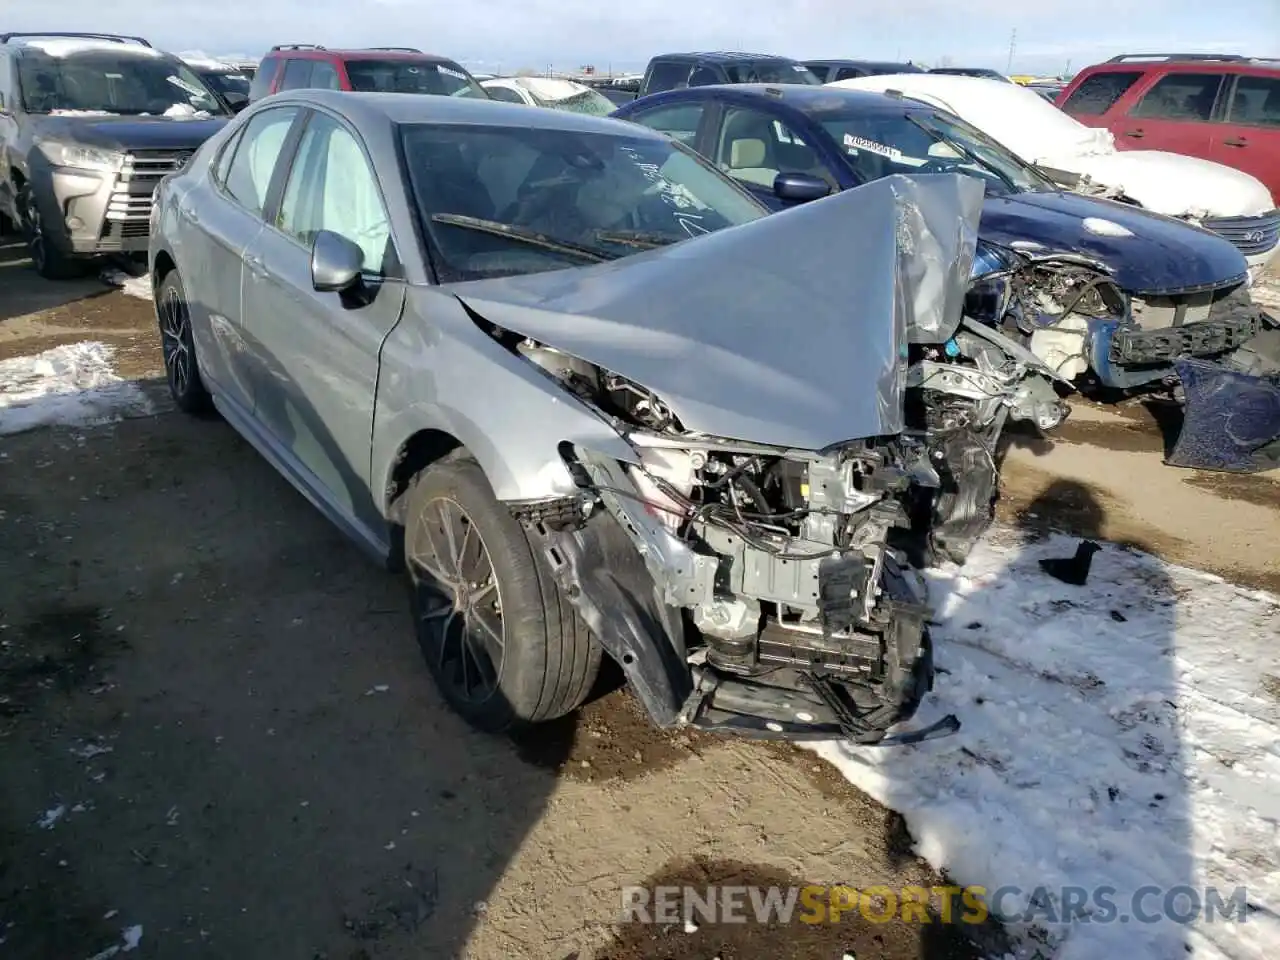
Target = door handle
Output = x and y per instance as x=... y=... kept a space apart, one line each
x=189 y=213
x=1236 y=142
x=1136 y=134
x=256 y=267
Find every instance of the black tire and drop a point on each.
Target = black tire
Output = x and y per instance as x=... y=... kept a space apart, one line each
x=180 y=368
x=49 y=260
x=547 y=659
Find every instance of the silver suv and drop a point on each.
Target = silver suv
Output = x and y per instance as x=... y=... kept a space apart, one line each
x=89 y=123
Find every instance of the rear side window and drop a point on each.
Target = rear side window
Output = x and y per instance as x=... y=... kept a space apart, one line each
x=848 y=73
x=668 y=75
x=704 y=75
x=680 y=121
x=505 y=94
x=1098 y=93
x=1256 y=102
x=249 y=176
x=263 y=78
x=1180 y=96
x=324 y=76
x=297 y=74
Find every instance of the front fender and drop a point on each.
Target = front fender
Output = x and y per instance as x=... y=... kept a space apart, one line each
x=439 y=371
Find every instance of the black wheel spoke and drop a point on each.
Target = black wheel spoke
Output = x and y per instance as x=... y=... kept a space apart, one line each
x=459 y=600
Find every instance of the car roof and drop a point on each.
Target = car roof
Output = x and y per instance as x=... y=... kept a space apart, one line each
x=404 y=108
x=363 y=53
x=803 y=97
x=724 y=56
x=863 y=63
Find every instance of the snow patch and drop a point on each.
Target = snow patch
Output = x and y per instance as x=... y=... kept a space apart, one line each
x=51 y=816
x=72 y=385
x=130 y=937
x=139 y=287
x=65 y=47
x=1121 y=734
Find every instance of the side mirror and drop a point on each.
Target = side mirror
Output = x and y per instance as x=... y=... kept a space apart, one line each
x=336 y=263
x=800 y=187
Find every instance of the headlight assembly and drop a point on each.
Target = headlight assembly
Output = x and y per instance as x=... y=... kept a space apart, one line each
x=80 y=157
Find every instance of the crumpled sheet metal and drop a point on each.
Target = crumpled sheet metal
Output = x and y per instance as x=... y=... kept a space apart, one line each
x=938 y=217
x=1231 y=419
x=790 y=330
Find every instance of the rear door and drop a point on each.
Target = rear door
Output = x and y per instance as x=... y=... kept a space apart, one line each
x=222 y=217
x=315 y=394
x=1249 y=136
x=1176 y=113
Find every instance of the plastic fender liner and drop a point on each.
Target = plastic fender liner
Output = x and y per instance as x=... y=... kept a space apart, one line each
x=604 y=577
x=1231 y=421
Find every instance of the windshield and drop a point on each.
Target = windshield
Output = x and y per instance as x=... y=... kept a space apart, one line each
x=771 y=71
x=412 y=76
x=228 y=83
x=878 y=145
x=499 y=201
x=588 y=101
x=103 y=81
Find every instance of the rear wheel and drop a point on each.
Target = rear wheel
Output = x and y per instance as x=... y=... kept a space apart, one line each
x=180 y=368
x=503 y=646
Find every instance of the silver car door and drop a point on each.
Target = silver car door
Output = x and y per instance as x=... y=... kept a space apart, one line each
x=222 y=218
x=314 y=393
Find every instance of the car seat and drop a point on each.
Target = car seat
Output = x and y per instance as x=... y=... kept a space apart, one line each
x=744 y=148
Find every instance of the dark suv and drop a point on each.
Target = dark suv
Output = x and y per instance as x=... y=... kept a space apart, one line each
x=294 y=66
x=89 y=124
x=1217 y=107
x=675 y=71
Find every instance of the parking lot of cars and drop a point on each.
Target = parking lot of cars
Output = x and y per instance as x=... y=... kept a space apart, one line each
x=530 y=362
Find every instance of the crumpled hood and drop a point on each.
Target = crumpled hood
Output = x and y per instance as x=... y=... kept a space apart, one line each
x=1178 y=186
x=131 y=133
x=1160 y=256
x=790 y=330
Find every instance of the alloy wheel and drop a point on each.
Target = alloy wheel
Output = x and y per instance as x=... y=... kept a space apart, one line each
x=35 y=234
x=175 y=332
x=459 y=603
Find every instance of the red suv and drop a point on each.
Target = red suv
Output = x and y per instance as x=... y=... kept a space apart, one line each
x=1222 y=108
x=292 y=66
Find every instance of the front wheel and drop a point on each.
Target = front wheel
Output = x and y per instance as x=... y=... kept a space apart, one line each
x=503 y=646
x=48 y=259
x=180 y=369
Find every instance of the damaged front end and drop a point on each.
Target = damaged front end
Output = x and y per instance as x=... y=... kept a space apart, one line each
x=1086 y=330
x=749 y=568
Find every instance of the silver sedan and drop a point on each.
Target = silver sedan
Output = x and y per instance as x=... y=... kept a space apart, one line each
x=593 y=400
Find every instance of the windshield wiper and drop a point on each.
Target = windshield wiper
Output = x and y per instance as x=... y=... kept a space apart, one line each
x=523 y=235
x=968 y=154
x=637 y=238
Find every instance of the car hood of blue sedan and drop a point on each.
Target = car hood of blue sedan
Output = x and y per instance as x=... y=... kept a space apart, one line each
x=1147 y=254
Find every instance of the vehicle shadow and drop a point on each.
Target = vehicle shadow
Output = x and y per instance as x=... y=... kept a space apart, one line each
x=253 y=759
x=1064 y=791
x=23 y=291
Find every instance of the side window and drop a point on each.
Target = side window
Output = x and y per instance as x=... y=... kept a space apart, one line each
x=1098 y=93
x=1180 y=96
x=332 y=187
x=848 y=73
x=249 y=176
x=754 y=147
x=324 y=76
x=1256 y=102
x=679 y=121
x=6 y=87
x=505 y=94
x=297 y=74
x=263 y=78
x=819 y=70
x=704 y=75
x=223 y=163
x=668 y=75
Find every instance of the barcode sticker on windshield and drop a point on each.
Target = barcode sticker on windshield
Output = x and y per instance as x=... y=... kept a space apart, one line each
x=799 y=67
x=456 y=74
x=854 y=144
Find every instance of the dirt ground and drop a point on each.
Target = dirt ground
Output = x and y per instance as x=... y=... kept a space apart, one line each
x=214 y=722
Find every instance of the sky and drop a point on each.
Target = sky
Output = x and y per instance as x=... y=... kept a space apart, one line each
x=508 y=35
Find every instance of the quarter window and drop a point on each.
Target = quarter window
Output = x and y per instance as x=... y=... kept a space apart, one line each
x=332 y=187
x=249 y=176
x=1100 y=92
x=680 y=121
x=505 y=94
x=1180 y=96
x=223 y=163
x=1256 y=102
